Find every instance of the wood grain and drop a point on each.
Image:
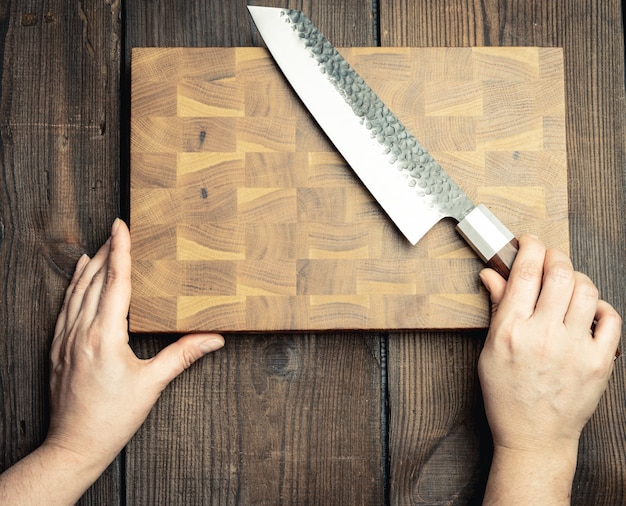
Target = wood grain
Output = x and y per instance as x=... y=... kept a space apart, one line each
x=587 y=31
x=235 y=430
x=266 y=443
x=279 y=232
x=59 y=160
x=271 y=418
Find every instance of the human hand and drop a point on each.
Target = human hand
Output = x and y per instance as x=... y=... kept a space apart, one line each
x=542 y=371
x=100 y=391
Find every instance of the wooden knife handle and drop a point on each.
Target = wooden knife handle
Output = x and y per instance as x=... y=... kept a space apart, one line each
x=502 y=261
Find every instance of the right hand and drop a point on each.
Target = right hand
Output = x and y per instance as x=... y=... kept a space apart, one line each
x=542 y=370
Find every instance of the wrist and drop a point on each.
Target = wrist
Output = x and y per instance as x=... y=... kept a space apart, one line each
x=537 y=475
x=49 y=475
x=85 y=467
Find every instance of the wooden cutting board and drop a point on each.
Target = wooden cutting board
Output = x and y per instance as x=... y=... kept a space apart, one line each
x=245 y=218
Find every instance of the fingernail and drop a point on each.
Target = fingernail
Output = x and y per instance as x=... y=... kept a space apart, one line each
x=483 y=279
x=212 y=344
x=82 y=261
x=115 y=227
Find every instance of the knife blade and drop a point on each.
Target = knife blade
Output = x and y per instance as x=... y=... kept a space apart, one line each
x=408 y=183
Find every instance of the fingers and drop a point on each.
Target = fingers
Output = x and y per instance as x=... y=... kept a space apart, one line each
x=62 y=318
x=115 y=298
x=83 y=284
x=524 y=284
x=608 y=329
x=583 y=306
x=100 y=284
x=178 y=356
x=543 y=284
x=494 y=283
x=80 y=265
x=558 y=287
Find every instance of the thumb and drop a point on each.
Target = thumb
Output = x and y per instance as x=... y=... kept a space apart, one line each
x=178 y=356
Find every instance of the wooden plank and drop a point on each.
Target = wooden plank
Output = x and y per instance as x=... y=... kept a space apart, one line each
x=269 y=229
x=270 y=418
x=59 y=152
x=442 y=424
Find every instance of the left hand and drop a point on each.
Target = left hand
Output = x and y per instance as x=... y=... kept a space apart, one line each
x=100 y=391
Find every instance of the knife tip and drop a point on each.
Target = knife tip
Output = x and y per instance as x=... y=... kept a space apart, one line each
x=261 y=14
x=260 y=8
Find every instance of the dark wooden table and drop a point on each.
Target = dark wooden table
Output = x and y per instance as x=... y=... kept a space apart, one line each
x=350 y=418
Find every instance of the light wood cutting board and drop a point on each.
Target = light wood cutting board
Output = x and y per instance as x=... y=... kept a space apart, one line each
x=245 y=218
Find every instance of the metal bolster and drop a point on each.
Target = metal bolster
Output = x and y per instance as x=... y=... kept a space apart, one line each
x=484 y=232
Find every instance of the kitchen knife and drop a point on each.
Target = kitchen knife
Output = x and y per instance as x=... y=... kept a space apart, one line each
x=403 y=177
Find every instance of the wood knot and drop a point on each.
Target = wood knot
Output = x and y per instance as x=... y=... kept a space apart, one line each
x=30 y=19
x=281 y=359
x=62 y=256
x=449 y=474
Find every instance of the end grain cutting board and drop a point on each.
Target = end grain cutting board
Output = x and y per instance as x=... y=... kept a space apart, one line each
x=245 y=218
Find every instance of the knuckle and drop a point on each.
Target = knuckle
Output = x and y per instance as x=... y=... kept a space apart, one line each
x=599 y=367
x=92 y=334
x=618 y=320
x=561 y=272
x=90 y=343
x=615 y=322
x=115 y=275
x=530 y=271
x=188 y=357
x=81 y=286
x=587 y=290
x=507 y=333
x=112 y=276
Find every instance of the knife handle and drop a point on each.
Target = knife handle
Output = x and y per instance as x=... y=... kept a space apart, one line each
x=493 y=242
x=490 y=239
x=502 y=261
